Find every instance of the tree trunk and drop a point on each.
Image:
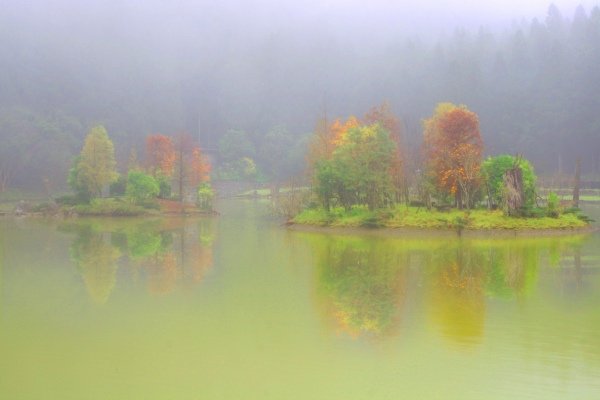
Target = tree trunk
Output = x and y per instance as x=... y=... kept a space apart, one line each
x=489 y=195
x=4 y=178
x=514 y=196
x=577 y=183
x=459 y=202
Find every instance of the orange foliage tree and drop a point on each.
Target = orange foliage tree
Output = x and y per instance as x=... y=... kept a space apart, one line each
x=191 y=167
x=345 y=158
x=326 y=138
x=160 y=155
x=453 y=150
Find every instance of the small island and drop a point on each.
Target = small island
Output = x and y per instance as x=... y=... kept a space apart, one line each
x=360 y=180
x=146 y=187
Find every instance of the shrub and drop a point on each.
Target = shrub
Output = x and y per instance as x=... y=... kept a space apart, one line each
x=68 y=200
x=493 y=172
x=118 y=187
x=141 y=187
x=205 y=196
x=109 y=207
x=553 y=205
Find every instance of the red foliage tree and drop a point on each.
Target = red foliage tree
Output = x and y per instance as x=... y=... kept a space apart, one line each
x=160 y=155
x=453 y=150
x=191 y=167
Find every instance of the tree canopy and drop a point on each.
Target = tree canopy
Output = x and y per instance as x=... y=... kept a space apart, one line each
x=95 y=168
x=453 y=151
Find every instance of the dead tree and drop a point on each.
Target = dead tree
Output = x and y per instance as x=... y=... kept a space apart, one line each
x=577 y=183
x=513 y=189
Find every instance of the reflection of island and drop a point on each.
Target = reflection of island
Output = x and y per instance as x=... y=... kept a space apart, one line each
x=164 y=253
x=361 y=285
x=361 y=280
x=464 y=275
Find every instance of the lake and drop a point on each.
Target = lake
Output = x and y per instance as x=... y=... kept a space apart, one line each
x=239 y=307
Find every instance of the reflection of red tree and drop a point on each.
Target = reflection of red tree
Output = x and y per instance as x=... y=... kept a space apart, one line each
x=458 y=302
x=163 y=273
x=202 y=261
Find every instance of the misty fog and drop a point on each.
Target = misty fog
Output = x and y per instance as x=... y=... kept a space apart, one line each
x=271 y=69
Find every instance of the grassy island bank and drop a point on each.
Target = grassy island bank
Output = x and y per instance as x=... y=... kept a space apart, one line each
x=363 y=176
x=414 y=217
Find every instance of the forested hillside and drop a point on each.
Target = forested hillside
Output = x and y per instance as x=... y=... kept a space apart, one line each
x=535 y=85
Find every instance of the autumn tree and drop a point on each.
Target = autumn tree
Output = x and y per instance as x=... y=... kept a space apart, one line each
x=326 y=138
x=453 y=148
x=359 y=169
x=160 y=155
x=386 y=118
x=191 y=167
x=95 y=167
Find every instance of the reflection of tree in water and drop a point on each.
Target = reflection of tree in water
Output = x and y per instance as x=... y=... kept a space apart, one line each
x=457 y=292
x=512 y=270
x=361 y=284
x=164 y=253
x=201 y=255
x=96 y=259
x=168 y=257
x=163 y=273
x=571 y=268
x=466 y=273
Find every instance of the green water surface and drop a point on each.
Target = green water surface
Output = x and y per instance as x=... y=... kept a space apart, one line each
x=238 y=307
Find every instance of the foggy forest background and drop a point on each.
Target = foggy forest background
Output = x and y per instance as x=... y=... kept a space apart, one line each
x=141 y=70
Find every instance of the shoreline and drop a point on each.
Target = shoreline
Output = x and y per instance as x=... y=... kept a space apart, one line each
x=443 y=232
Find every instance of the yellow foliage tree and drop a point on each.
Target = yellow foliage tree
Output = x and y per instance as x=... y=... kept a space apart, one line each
x=96 y=166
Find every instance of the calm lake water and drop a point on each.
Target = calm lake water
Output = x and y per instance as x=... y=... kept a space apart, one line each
x=238 y=307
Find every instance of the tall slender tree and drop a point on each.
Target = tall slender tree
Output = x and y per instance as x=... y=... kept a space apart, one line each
x=95 y=168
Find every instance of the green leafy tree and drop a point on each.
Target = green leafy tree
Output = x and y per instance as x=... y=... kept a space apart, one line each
x=164 y=184
x=141 y=186
x=359 y=169
x=118 y=187
x=96 y=165
x=82 y=193
x=493 y=171
x=327 y=181
x=205 y=196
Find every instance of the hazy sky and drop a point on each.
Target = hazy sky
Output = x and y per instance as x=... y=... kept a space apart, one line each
x=421 y=17
x=424 y=17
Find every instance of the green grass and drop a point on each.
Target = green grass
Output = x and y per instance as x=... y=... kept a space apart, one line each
x=589 y=198
x=11 y=197
x=109 y=208
x=412 y=217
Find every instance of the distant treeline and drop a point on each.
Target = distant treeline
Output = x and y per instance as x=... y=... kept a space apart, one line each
x=535 y=88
